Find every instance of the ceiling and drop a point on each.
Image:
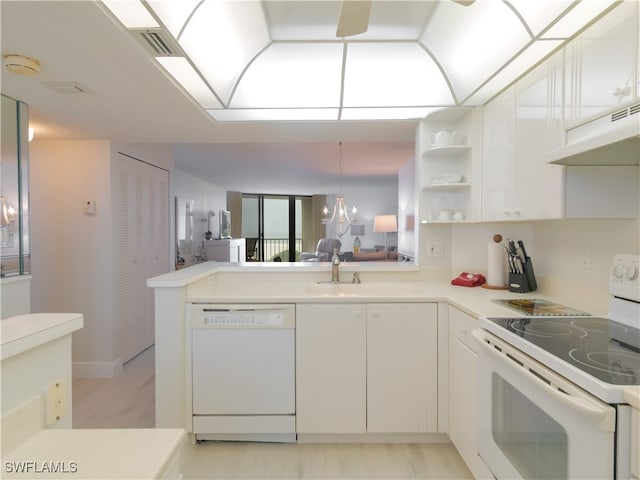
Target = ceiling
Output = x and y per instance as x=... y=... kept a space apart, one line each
x=122 y=94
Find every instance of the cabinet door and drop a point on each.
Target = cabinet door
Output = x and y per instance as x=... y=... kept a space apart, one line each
x=331 y=368
x=538 y=186
x=402 y=376
x=463 y=391
x=600 y=70
x=497 y=157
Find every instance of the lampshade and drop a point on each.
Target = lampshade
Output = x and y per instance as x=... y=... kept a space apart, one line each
x=357 y=230
x=385 y=223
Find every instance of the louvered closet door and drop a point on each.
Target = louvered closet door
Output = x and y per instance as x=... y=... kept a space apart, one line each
x=143 y=243
x=157 y=259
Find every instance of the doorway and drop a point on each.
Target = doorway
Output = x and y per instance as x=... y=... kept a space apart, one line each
x=273 y=226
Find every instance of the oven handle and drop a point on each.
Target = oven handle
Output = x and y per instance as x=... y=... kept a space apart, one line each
x=587 y=408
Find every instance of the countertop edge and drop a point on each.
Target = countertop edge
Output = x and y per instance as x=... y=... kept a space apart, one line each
x=24 y=332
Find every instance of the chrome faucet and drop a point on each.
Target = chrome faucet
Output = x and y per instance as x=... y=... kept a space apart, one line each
x=335 y=267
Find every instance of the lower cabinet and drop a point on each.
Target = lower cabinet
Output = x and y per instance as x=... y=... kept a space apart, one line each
x=463 y=391
x=366 y=368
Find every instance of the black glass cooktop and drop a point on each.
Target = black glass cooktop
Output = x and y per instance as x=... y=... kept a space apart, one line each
x=608 y=350
x=538 y=307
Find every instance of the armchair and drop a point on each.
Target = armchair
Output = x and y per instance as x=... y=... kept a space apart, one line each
x=324 y=250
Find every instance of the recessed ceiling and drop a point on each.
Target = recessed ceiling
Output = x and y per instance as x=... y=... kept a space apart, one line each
x=128 y=97
x=273 y=60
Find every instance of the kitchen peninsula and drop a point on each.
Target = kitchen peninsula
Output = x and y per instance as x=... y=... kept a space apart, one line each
x=300 y=285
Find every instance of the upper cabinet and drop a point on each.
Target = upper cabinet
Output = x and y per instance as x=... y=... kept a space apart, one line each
x=519 y=127
x=601 y=66
x=449 y=165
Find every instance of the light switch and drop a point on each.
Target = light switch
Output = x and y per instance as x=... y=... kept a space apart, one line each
x=55 y=401
x=89 y=207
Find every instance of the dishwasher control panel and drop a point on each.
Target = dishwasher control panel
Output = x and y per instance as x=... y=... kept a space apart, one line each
x=205 y=316
x=240 y=319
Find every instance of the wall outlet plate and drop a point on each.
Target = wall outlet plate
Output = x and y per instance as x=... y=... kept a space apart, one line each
x=55 y=402
x=89 y=207
x=435 y=249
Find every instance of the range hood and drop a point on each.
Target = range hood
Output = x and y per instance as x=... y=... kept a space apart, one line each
x=610 y=140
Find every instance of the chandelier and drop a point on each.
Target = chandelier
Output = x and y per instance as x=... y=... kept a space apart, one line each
x=339 y=212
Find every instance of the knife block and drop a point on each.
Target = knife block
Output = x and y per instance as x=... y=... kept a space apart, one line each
x=523 y=282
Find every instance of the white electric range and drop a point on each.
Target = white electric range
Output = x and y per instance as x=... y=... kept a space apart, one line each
x=551 y=401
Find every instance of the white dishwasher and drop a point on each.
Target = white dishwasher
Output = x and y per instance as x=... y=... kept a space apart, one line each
x=242 y=372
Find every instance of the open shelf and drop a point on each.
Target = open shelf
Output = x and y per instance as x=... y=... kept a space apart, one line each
x=447 y=150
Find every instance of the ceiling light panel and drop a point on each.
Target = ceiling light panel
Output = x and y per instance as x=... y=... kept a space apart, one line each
x=576 y=18
x=529 y=57
x=289 y=75
x=400 y=113
x=473 y=42
x=222 y=38
x=173 y=14
x=316 y=20
x=131 y=13
x=182 y=71
x=538 y=15
x=275 y=114
x=392 y=75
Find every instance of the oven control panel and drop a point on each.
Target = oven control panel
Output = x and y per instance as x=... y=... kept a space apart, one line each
x=624 y=280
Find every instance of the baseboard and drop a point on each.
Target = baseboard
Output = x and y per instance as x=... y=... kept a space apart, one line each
x=97 y=369
x=373 y=438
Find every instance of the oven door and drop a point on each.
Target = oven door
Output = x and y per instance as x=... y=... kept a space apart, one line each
x=534 y=424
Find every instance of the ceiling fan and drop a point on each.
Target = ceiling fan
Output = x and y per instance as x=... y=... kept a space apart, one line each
x=354 y=16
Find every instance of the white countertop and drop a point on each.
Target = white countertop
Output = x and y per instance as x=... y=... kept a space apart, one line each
x=96 y=453
x=25 y=332
x=475 y=301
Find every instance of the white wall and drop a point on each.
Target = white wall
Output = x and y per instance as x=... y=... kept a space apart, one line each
x=370 y=201
x=555 y=247
x=73 y=254
x=206 y=197
x=407 y=226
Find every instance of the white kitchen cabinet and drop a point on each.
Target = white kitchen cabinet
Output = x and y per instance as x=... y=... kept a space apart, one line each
x=366 y=368
x=142 y=222
x=460 y=156
x=463 y=391
x=402 y=367
x=601 y=69
x=519 y=127
x=227 y=250
x=331 y=368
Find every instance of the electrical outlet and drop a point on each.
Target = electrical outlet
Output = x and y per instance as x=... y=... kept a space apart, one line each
x=435 y=249
x=586 y=257
x=55 y=402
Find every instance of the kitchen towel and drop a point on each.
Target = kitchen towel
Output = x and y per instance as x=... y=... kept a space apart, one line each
x=496 y=268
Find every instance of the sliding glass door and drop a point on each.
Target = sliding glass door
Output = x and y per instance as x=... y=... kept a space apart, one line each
x=273 y=223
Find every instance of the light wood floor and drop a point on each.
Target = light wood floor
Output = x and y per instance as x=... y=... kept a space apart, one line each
x=128 y=401
x=125 y=401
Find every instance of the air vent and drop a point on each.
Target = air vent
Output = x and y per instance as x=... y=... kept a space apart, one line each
x=159 y=43
x=67 y=87
x=625 y=112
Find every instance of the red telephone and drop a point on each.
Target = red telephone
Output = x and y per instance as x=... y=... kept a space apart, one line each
x=469 y=280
